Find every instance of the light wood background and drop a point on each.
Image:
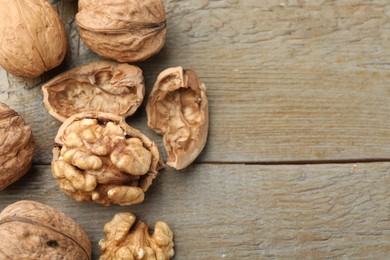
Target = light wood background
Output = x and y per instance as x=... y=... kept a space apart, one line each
x=297 y=164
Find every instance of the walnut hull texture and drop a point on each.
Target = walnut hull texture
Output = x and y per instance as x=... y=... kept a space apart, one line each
x=31 y=230
x=32 y=37
x=123 y=30
x=16 y=146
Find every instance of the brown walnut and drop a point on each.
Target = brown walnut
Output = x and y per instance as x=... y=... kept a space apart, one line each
x=178 y=109
x=98 y=157
x=16 y=146
x=98 y=86
x=31 y=230
x=124 y=30
x=127 y=240
x=32 y=37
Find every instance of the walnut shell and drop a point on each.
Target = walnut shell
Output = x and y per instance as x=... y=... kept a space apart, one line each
x=178 y=109
x=124 y=30
x=98 y=86
x=126 y=240
x=16 y=146
x=98 y=157
x=32 y=37
x=31 y=230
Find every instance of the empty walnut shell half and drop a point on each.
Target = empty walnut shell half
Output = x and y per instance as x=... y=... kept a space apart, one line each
x=124 y=30
x=31 y=230
x=98 y=157
x=16 y=146
x=126 y=239
x=178 y=109
x=98 y=86
x=32 y=37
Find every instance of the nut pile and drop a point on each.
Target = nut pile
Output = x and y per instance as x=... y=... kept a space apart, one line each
x=97 y=156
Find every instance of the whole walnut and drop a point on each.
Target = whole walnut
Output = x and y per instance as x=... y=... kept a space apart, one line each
x=178 y=109
x=127 y=240
x=16 y=146
x=31 y=230
x=98 y=157
x=32 y=37
x=104 y=86
x=124 y=30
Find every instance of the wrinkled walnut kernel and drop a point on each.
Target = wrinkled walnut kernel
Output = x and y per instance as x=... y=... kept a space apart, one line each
x=123 y=30
x=31 y=230
x=100 y=158
x=126 y=240
x=98 y=86
x=178 y=109
x=16 y=146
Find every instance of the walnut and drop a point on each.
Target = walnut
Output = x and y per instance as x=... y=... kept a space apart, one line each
x=32 y=37
x=124 y=30
x=98 y=157
x=16 y=146
x=178 y=109
x=98 y=86
x=31 y=230
x=124 y=240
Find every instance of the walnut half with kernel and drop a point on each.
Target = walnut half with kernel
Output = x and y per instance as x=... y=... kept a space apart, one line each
x=128 y=240
x=178 y=109
x=99 y=158
x=97 y=86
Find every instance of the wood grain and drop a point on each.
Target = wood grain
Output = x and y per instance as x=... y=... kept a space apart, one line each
x=287 y=80
x=249 y=212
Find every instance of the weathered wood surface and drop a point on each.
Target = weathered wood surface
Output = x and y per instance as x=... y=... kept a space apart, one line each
x=249 y=212
x=287 y=80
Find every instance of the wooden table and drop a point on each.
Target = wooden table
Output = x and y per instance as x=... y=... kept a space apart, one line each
x=297 y=163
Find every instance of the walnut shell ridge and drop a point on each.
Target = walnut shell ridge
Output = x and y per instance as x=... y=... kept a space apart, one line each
x=32 y=37
x=103 y=86
x=100 y=158
x=31 y=230
x=178 y=109
x=123 y=30
x=16 y=146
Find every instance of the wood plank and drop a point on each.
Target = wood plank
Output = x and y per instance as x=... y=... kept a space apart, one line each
x=287 y=80
x=249 y=211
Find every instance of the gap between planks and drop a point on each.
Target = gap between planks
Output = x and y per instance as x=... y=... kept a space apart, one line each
x=303 y=162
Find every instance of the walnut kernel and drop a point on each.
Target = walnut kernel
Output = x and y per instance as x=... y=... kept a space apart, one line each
x=98 y=157
x=128 y=240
